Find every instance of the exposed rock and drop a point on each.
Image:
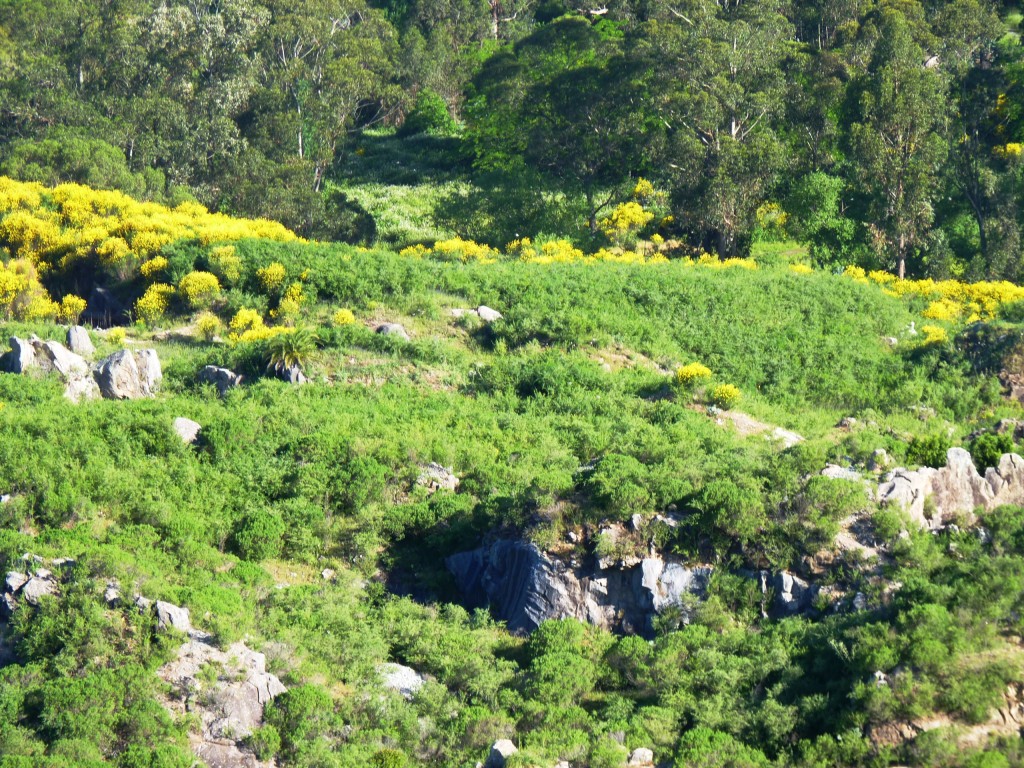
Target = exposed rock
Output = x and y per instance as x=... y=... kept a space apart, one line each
x=229 y=708
x=525 y=587
x=835 y=472
x=489 y=315
x=500 y=752
x=82 y=388
x=187 y=429
x=112 y=594
x=221 y=378
x=393 y=329
x=786 y=437
x=879 y=460
x=143 y=603
x=396 y=677
x=641 y=757
x=792 y=594
x=170 y=616
x=35 y=588
x=21 y=358
x=327 y=574
x=461 y=312
x=7 y=605
x=54 y=356
x=292 y=374
x=435 y=477
x=847 y=422
x=79 y=342
x=955 y=490
x=860 y=602
x=125 y=375
x=15 y=581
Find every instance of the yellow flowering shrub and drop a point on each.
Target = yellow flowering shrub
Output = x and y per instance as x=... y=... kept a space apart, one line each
x=856 y=273
x=725 y=396
x=208 y=325
x=933 y=334
x=154 y=302
x=56 y=227
x=800 y=269
x=417 y=251
x=271 y=276
x=225 y=263
x=457 y=249
x=692 y=374
x=248 y=325
x=22 y=296
x=117 y=336
x=625 y=219
x=199 y=289
x=71 y=308
x=153 y=267
x=943 y=309
x=290 y=304
x=343 y=317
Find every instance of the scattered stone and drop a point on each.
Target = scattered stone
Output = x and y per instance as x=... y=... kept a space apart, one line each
x=79 y=342
x=187 y=429
x=36 y=588
x=405 y=680
x=327 y=574
x=43 y=573
x=393 y=329
x=8 y=605
x=173 y=617
x=847 y=422
x=636 y=522
x=500 y=752
x=892 y=341
x=792 y=594
x=63 y=562
x=221 y=378
x=125 y=375
x=434 y=477
x=881 y=679
x=786 y=437
x=143 y=603
x=1007 y=425
x=112 y=595
x=15 y=581
x=860 y=602
x=642 y=757
x=5 y=498
x=573 y=537
x=489 y=315
x=82 y=388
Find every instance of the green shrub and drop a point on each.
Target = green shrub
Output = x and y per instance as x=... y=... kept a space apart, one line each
x=429 y=115
x=929 y=451
x=260 y=536
x=265 y=742
x=988 y=448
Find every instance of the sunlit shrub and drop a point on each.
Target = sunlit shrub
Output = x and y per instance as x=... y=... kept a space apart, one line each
x=725 y=396
x=71 y=308
x=208 y=325
x=343 y=317
x=692 y=374
x=154 y=303
x=153 y=267
x=271 y=276
x=199 y=289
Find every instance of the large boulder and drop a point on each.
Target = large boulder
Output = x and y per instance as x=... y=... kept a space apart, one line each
x=500 y=752
x=81 y=388
x=79 y=341
x=393 y=329
x=488 y=315
x=435 y=477
x=54 y=356
x=221 y=378
x=642 y=757
x=127 y=375
x=169 y=616
x=187 y=429
x=21 y=358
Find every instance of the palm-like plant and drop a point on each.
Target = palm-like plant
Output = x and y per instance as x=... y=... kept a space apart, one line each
x=290 y=350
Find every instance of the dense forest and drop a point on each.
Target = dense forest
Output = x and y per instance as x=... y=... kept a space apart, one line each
x=884 y=134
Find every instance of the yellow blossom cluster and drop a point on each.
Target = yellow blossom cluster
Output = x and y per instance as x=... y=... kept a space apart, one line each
x=56 y=227
x=343 y=317
x=271 y=276
x=70 y=309
x=551 y=252
x=933 y=334
x=225 y=263
x=951 y=300
x=248 y=325
x=692 y=373
x=624 y=219
x=199 y=289
x=455 y=249
x=154 y=302
x=153 y=267
x=22 y=296
x=208 y=325
x=801 y=269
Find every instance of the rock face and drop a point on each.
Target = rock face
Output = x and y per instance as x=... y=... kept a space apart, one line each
x=54 y=356
x=641 y=757
x=792 y=594
x=170 y=616
x=228 y=708
x=125 y=375
x=525 y=587
x=79 y=342
x=393 y=329
x=489 y=315
x=396 y=677
x=27 y=586
x=956 y=490
x=221 y=378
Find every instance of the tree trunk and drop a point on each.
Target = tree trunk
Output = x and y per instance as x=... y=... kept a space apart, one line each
x=901 y=256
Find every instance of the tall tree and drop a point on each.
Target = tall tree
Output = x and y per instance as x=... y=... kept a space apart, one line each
x=895 y=146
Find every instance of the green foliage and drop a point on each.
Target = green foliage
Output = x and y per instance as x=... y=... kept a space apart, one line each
x=929 y=451
x=988 y=447
x=260 y=535
x=429 y=115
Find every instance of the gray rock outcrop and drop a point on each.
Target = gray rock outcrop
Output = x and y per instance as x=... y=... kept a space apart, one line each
x=230 y=707
x=525 y=587
x=27 y=586
x=954 y=491
x=169 y=616
x=434 y=477
x=489 y=315
x=221 y=378
x=127 y=375
x=641 y=756
x=792 y=594
x=393 y=329
x=54 y=356
x=21 y=358
x=397 y=677
x=500 y=752
x=187 y=429
x=78 y=341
